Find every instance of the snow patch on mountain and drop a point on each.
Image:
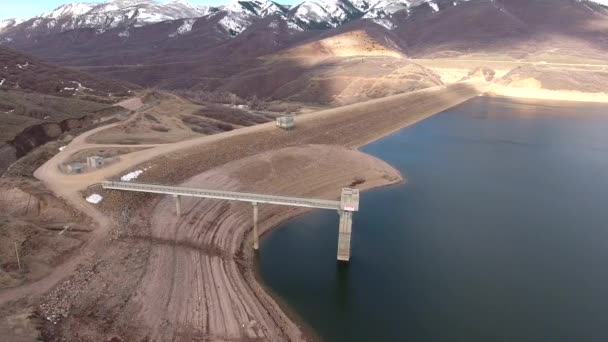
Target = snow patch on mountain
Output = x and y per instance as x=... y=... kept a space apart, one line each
x=387 y=24
x=601 y=2
x=117 y=13
x=8 y=23
x=234 y=24
x=69 y=10
x=260 y=8
x=329 y=13
x=275 y=24
x=237 y=15
x=240 y=14
x=185 y=28
x=384 y=8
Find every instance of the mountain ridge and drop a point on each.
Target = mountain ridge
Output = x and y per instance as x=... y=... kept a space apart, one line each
x=309 y=14
x=237 y=16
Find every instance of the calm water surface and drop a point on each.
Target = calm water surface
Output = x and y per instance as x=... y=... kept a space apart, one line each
x=500 y=234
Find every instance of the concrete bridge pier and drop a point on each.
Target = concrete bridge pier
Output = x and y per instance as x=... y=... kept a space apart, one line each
x=349 y=202
x=345 y=231
x=256 y=242
x=178 y=205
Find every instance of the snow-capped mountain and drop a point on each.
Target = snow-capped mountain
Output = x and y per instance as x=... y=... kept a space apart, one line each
x=6 y=24
x=143 y=12
x=117 y=13
x=601 y=2
x=69 y=10
x=232 y=18
x=238 y=15
x=254 y=7
x=325 y=13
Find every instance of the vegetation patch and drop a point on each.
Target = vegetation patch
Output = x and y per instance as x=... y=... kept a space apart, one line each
x=232 y=115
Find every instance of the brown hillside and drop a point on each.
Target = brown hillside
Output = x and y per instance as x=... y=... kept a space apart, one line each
x=591 y=81
x=516 y=28
x=354 y=43
x=21 y=72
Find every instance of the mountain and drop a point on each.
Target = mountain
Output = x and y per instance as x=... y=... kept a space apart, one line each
x=230 y=41
x=69 y=10
x=315 y=14
x=101 y=17
x=7 y=24
x=236 y=15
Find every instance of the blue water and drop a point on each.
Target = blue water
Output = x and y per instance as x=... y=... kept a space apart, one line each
x=499 y=234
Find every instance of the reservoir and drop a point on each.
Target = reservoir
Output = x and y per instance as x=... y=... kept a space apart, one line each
x=499 y=234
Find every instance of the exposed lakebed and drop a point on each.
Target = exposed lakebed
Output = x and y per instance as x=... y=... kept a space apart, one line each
x=499 y=234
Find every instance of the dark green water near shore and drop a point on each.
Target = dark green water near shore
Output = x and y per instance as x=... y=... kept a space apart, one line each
x=500 y=234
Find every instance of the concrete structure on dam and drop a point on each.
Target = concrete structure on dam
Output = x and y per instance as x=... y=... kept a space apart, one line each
x=349 y=203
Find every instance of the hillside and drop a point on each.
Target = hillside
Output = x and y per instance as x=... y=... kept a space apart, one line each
x=353 y=43
x=591 y=81
x=518 y=29
x=22 y=72
x=39 y=102
x=333 y=81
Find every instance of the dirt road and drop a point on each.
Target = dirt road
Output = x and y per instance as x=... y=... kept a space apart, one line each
x=68 y=189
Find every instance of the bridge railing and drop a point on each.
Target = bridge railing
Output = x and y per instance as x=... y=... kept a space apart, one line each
x=225 y=195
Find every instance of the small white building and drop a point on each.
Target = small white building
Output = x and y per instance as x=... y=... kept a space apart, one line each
x=75 y=168
x=286 y=122
x=95 y=162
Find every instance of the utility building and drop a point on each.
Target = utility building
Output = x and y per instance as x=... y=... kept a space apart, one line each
x=75 y=168
x=286 y=122
x=95 y=162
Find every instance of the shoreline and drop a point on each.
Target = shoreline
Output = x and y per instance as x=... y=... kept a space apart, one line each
x=308 y=331
x=496 y=90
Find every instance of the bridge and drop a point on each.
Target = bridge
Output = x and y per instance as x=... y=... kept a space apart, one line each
x=349 y=203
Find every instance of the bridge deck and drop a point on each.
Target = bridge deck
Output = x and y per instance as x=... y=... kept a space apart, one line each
x=224 y=195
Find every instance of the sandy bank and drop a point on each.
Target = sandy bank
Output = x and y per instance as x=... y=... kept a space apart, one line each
x=546 y=94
